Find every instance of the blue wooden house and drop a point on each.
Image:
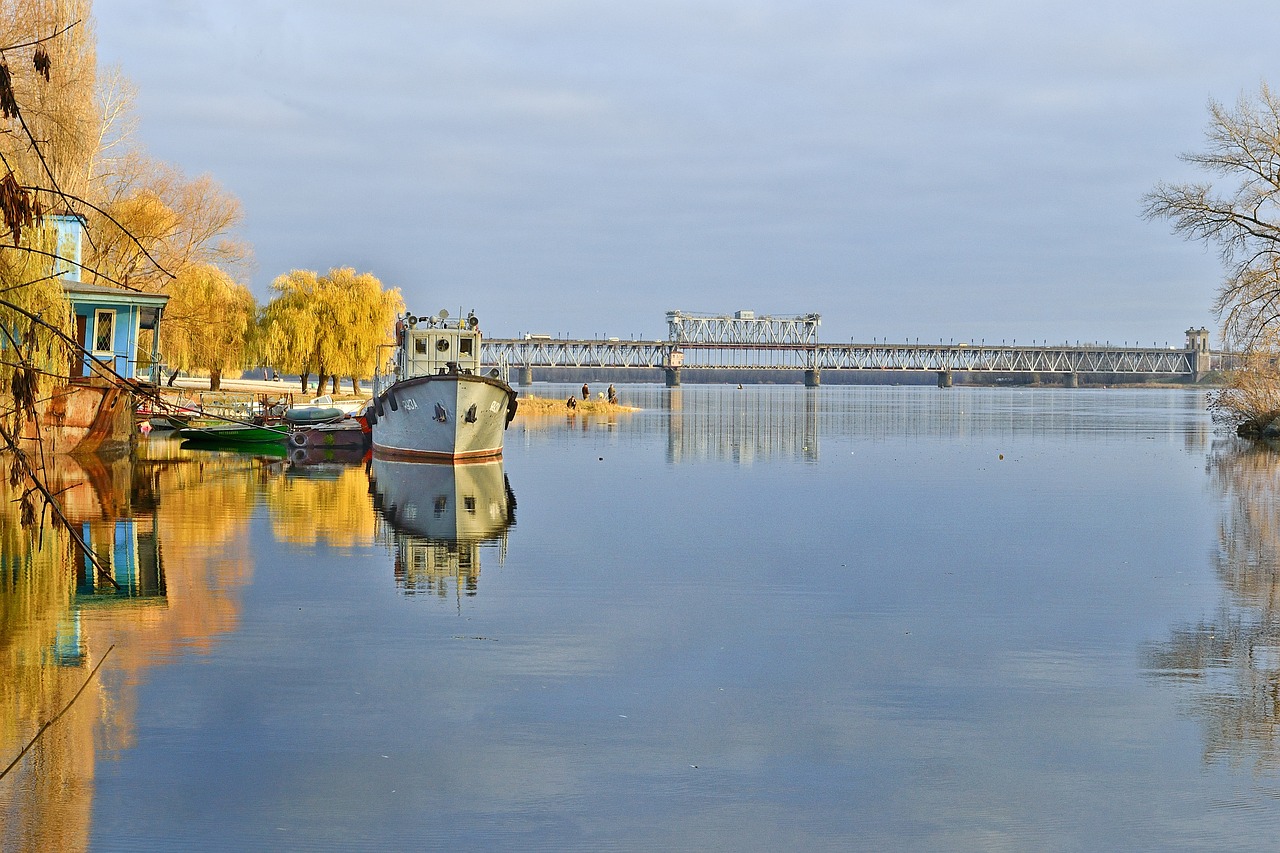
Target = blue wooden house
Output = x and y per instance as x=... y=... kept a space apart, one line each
x=109 y=320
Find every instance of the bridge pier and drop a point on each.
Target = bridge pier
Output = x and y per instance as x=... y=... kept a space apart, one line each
x=1071 y=380
x=526 y=375
x=673 y=376
x=944 y=379
x=812 y=378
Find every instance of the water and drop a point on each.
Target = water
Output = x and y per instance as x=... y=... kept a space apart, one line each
x=759 y=619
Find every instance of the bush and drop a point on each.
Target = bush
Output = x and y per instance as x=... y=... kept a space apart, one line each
x=1250 y=400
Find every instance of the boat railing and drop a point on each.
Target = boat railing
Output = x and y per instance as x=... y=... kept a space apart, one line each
x=384 y=374
x=504 y=368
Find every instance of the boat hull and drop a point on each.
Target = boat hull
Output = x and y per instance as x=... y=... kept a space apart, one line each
x=87 y=416
x=346 y=433
x=443 y=418
x=233 y=435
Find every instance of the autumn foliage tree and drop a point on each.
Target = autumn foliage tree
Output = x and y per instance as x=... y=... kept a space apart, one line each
x=330 y=325
x=46 y=123
x=209 y=323
x=50 y=135
x=155 y=223
x=66 y=147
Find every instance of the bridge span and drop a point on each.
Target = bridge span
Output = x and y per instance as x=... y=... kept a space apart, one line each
x=746 y=341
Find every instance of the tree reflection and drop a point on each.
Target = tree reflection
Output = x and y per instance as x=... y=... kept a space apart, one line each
x=327 y=503
x=44 y=807
x=170 y=532
x=1232 y=661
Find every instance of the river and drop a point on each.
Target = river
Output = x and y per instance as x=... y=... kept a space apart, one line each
x=846 y=618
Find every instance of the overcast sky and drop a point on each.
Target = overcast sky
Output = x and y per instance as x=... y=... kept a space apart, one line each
x=905 y=168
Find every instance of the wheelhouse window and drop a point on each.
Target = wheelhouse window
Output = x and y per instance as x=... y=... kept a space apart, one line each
x=104 y=327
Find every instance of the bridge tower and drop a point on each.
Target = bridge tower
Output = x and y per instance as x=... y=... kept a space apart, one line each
x=1198 y=347
x=741 y=330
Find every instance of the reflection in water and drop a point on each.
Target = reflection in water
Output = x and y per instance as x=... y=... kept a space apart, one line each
x=1230 y=663
x=326 y=502
x=44 y=802
x=438 y=517
x=768 y=423
x=169 y=532
x=742 y=428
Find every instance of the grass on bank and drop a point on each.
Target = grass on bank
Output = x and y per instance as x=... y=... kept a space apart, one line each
x=544 y=406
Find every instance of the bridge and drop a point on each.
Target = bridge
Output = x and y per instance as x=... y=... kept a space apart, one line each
x=744 y=340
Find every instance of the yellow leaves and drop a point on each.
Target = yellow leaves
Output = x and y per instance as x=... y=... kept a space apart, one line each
x=160 y=222
x=208 y=321
x=332 y=323
x=25 y=284
x=54 y=86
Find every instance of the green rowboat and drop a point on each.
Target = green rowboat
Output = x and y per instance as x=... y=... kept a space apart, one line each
x=231 y=435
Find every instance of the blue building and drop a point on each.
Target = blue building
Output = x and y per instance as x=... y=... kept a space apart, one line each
x=108 y=320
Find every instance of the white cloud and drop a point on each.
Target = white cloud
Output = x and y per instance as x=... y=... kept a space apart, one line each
x=837 y=154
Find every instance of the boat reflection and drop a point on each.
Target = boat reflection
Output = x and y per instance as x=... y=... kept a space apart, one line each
x=438 y=517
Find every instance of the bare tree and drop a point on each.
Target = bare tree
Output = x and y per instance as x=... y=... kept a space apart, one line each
x=1243 y=220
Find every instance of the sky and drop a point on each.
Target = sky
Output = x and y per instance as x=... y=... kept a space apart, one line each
x=913 y=169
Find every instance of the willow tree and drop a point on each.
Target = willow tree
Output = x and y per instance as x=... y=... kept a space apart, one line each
x=365 y=315
x=35 y=325
x=331 y=325
x=208 y=324
x=289 y=324
x=47 y=118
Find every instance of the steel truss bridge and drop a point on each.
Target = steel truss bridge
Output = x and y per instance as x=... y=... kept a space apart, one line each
x=746 y=341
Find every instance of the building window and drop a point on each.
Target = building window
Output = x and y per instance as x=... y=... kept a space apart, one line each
x=104 y=330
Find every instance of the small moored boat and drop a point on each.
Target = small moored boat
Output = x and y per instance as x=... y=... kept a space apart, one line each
x=437 y=405
x=231 y=435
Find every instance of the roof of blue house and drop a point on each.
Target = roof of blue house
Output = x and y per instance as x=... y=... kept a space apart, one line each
x=80 y=292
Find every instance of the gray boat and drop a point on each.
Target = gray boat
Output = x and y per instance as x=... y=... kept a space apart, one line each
x=435 y=404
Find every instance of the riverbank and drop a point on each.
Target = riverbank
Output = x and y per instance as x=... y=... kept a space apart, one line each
x=531 y=406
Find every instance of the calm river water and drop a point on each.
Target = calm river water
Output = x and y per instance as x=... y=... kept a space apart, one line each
x=764 y=619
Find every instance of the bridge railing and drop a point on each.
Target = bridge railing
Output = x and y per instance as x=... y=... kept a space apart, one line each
x=1086 y=358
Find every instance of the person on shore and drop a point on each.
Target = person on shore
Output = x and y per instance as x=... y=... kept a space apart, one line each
x=613 y=396
x=586 y=392
x=572 y=402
